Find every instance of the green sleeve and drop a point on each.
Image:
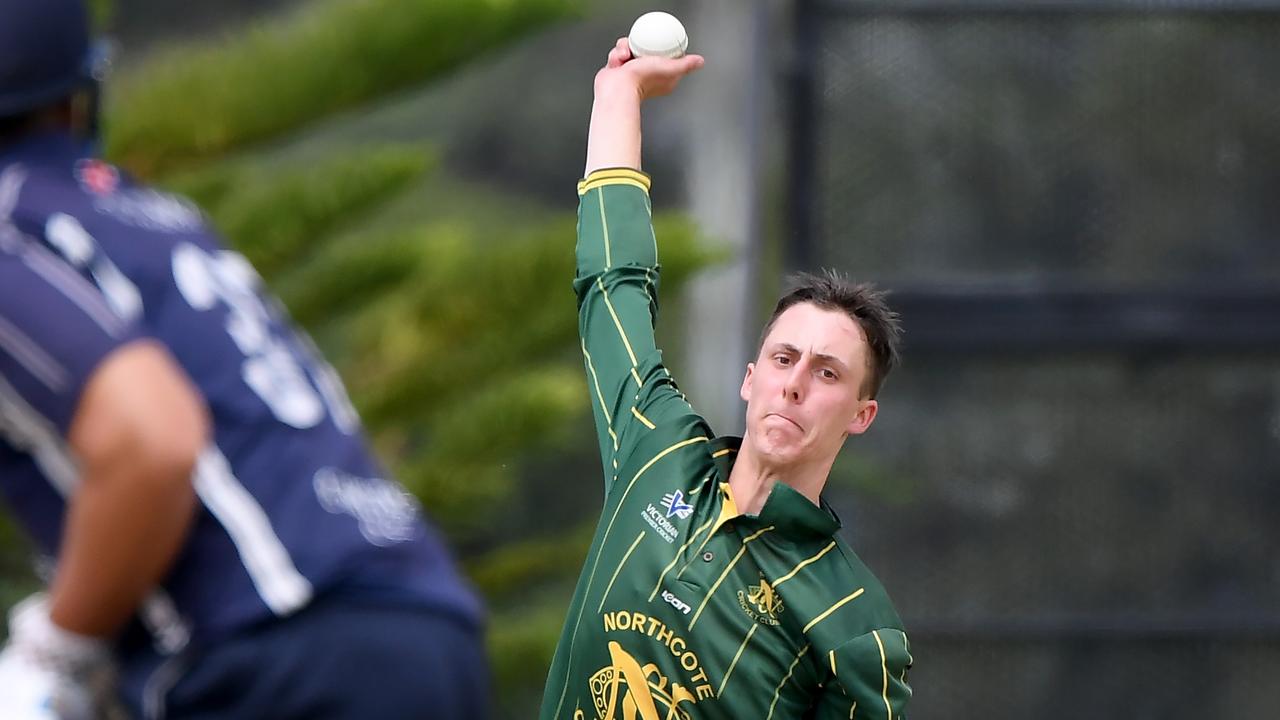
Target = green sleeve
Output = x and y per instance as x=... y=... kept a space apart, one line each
x=616 y=283
x=869 y=678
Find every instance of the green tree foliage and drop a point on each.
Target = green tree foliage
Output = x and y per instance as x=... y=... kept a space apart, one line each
x=193 y=104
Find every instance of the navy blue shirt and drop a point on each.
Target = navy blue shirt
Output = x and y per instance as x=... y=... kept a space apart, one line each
x=292 y=504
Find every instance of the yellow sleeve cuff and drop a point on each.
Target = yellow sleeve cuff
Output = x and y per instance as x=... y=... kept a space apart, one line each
x=613 y=176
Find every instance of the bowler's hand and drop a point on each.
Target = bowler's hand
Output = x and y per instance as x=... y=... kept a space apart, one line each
x=647 y=76
x=621 y=86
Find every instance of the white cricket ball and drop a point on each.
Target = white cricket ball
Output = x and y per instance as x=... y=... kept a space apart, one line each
x=658 y=33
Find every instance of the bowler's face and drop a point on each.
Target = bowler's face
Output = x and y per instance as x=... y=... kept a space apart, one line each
x=804 y=391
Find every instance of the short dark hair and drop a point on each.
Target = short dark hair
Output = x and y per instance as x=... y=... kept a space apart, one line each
x=863 y=303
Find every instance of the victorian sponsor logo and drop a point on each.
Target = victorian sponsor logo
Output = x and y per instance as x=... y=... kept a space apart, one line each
x=659 y=519
x=675 y=505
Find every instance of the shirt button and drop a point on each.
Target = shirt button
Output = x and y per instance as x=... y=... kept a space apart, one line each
x=708 y=556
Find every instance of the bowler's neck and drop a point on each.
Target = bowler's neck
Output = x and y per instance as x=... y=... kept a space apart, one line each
x=753 y=476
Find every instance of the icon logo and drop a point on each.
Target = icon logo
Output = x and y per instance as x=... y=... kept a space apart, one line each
x=675 y=505
x=676 y=602
x=761 y=603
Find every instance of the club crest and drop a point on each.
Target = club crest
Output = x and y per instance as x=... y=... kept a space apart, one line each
x=761 y=603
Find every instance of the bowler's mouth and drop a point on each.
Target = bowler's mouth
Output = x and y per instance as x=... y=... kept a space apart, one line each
x=784 y=417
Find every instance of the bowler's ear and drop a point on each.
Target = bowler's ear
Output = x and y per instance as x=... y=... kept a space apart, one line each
x=861 y=421
x=745 y=391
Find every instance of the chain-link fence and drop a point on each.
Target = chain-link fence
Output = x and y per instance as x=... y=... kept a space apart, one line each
x=1073 y=487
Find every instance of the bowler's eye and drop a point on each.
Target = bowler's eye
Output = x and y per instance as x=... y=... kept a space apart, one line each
x=829 y=374
x=783 y=360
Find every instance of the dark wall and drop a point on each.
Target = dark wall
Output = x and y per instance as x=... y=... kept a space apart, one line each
x=1074 y=523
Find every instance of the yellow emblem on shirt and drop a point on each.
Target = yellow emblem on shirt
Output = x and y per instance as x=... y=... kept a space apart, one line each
x=626 y=691
x=761 y=603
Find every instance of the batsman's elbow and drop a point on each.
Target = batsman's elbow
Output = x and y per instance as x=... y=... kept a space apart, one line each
x=140 y=420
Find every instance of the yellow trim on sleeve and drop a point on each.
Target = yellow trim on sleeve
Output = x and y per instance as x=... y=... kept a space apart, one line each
x=604 y=232
x=884 y=668
x=617 y=322
x=595 y=381
x=596 y=184
x=614 y=176
x=647 y=423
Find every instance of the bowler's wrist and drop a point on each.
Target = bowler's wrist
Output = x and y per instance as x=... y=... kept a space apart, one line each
x=617 y=90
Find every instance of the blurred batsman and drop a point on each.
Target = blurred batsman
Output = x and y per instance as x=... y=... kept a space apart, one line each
x=716 y=586
x=215 y=526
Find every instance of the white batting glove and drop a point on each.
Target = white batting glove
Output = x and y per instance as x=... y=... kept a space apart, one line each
x=44 y=669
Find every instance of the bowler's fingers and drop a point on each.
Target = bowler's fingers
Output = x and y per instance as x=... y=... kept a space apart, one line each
x=686 y=64
x=659 y=76
x=620 y=53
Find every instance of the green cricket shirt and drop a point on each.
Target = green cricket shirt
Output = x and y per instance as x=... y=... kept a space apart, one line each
x=687 y=608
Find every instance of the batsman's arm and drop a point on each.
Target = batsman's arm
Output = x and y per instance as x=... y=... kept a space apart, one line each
x=115 y=425
x=616 y=280
x=138 y=429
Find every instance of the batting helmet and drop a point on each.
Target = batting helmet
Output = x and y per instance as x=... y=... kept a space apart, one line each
x=44 y=52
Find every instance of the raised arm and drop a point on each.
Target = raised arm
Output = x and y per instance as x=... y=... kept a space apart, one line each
x=617 y=256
